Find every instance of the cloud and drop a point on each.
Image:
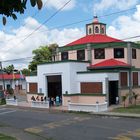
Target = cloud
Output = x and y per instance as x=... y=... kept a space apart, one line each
x=65 y=36
x=57 y=4
x=114 y=4
x=126 y=26
x=14 y=46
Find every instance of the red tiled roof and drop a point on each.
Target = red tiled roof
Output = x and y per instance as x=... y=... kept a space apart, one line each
x=10 y=76
x=110 y=63
x=94 y=39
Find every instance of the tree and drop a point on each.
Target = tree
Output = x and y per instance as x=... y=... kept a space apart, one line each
x=26 y=72
x=52 y=48
x=41 y=55
x=9 y=69
x=124 y=99
x=9 y=8
x=135 y=96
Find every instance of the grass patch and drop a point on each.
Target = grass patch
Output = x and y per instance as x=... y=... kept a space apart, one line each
x=130 y=109
x=5 y=137
x=2 y=101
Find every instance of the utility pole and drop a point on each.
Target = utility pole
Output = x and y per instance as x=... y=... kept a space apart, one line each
x=2 y=76
x=130 y=71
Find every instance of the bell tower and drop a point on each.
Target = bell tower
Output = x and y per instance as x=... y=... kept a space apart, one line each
x=95 y=27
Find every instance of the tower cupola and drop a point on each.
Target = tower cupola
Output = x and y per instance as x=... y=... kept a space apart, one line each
x=95 y=27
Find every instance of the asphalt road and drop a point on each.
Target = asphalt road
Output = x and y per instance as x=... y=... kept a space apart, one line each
x=69 y=126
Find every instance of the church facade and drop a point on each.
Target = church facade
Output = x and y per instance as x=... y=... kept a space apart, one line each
x=94 y=68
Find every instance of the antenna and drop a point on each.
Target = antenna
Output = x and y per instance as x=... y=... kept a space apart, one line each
x=95 y=18
x=94 y=13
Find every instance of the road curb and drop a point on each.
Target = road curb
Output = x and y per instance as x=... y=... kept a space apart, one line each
x=117 y=115
x=107 y=114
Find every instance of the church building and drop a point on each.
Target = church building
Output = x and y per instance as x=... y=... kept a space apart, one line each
x=94 y=68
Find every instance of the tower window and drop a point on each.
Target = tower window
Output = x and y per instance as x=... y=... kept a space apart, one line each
x=80 y=54
x=64 y=56
x=96 y=29
x=89 y=31
x=102 y=30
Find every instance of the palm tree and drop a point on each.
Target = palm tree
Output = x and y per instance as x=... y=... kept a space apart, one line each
x=124 y=99
x=135 y=96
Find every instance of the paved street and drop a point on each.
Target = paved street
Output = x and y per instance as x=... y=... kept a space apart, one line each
x=38 y=125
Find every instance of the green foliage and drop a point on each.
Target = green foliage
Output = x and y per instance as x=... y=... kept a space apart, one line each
x=41 y=55
x=130 y=109
x=9 y=69
x=52 y=48
x=26 y=72
x=10 y=91
x=5 y=137
x=135 y=96
x=3 y=101
x=9 y=8
x=124 y=97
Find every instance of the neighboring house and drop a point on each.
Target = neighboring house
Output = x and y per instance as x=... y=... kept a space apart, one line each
x=91 y=69
x=12 y=81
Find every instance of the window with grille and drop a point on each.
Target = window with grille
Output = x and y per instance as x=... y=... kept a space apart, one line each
x=80 y=54
x=124 y=79
x=134 y=56
x=118 y=52
x=135 y=78
x=99 y=53
x=64 y=56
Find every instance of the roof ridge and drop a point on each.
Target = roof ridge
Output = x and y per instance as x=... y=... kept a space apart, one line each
x=109 y=62
x=94 y=38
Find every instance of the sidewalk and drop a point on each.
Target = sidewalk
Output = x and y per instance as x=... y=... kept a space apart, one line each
x=23 y=104
x=115 y=114
x=65 y=109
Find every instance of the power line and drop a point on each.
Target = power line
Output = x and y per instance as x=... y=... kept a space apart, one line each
x=54 y=14
x=77 y=22
x=17 y=59
x=122 y=11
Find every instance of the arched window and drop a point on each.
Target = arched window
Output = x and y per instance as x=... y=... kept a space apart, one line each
x=89 y=31
x=96 y=29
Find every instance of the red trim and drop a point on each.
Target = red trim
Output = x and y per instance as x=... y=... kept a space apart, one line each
x=109 y=63
x=94 y=39
x=10 y=76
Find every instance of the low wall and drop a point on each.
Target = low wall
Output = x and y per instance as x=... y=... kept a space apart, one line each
x=39 y=104
x=11 y=102
x=87 y=107
x=84 y=99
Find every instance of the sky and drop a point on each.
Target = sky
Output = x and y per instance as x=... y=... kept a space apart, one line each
x=16 y=41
